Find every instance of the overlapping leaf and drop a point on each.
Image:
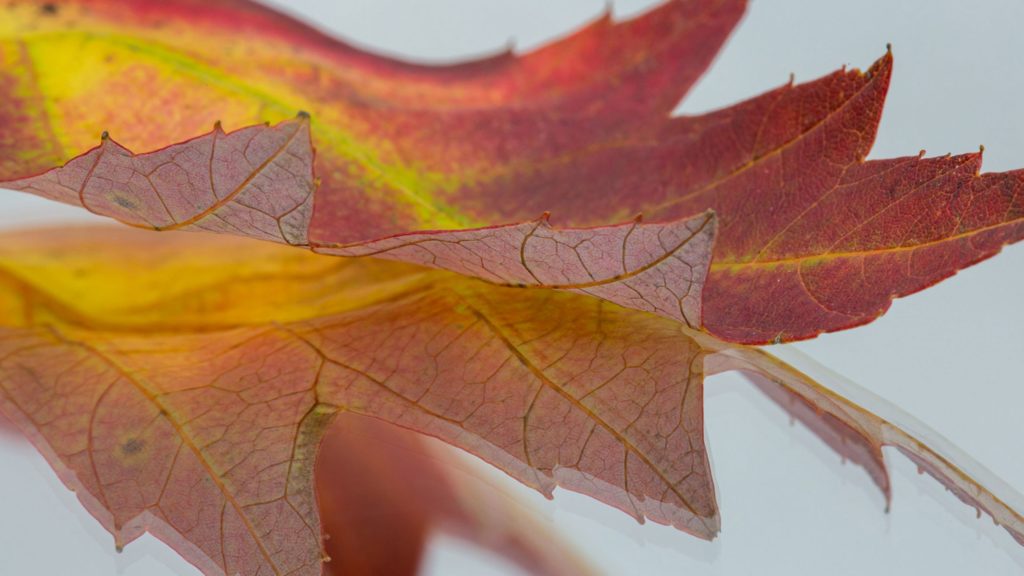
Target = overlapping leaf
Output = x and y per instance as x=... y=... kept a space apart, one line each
x=202 y=428
x=258 y=182
x=378 y=522
x=812 y=237
x=189 y=401
x=188 y=395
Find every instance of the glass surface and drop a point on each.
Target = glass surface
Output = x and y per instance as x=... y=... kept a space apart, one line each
x=952 y=356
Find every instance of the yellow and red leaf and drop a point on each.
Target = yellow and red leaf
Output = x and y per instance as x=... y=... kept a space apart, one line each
x=189 y=406
x=189 y=399
x=813 y=238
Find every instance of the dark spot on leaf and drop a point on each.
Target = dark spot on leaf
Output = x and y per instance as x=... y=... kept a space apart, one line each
x=48 y=9
x=124 y=202
x=133 y=446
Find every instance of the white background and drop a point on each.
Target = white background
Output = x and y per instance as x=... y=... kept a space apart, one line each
x=953 y=356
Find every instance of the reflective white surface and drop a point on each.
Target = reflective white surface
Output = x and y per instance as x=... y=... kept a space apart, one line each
x=952 y=356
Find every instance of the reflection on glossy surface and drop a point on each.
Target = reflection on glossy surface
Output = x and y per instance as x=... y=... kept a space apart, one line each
x=793 y=506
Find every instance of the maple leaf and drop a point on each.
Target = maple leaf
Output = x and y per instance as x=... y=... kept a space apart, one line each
x=428 y=155
x=259 y=184
x=202 y=429
x=380 y=523
x=432 y=165
x=235 y=396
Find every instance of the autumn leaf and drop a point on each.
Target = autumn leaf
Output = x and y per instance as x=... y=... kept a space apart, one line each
x=183 y=385
x=380 y=523
x=645 y=266
x=260 y=183
x=414 y=160
x=202 y=428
